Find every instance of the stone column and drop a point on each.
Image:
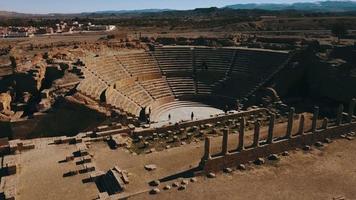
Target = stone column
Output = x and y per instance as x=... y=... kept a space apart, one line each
x=271 y=128
x=256 y=135
x=241 y=134
x=301 y=125
x=207 y=149
x=340 y=110
x=225 y=141
x=325 y=123
x=315 y=118
x=290 y=122
x=351 y=110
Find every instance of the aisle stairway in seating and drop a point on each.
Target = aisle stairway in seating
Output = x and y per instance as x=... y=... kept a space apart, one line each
x=92 y=85
x=182 y=85
x=283 y=61
x=217 y=60
x=158 y=88
x=121 y=102
x=136 y=93
x=173 y=60
x=251 y=69
x=107 y=67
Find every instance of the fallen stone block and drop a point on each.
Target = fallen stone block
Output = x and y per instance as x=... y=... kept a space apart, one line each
x=182 y=187
x=155 y=183
x=241 y=167
x=86 y=168
x=327 y=140
x=306 y=148
x=211 y=175
x=228 y=170
x=285 y=153
x=319 y=144
x=167 y=187
x=150 y=167
x=259 y=161
x=273 y=157
x=70 y=173
x=175 y=184
x=155 y=191
x=69 y=158
x=184 y=182
x=193 y=180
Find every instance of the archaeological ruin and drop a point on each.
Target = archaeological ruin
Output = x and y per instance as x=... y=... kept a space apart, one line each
x=212 y=103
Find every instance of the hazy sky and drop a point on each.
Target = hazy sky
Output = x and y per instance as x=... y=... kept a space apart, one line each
x=70 y=6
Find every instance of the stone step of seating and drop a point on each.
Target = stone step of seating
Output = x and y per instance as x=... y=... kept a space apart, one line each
x=158 y=88
x=182 y=85
x=215 y=59
x=108 y=68
x=174 y=59
x=91 y=86
x=137 y=93
x=204 y=88
x=120 y=101
x=139 y=63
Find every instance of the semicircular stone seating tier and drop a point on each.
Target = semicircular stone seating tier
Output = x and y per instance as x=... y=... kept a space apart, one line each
x=132 y=81
x=92 y=85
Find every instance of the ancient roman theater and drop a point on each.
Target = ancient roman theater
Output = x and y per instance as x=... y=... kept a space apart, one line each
x=114 y=115
x=178 y=81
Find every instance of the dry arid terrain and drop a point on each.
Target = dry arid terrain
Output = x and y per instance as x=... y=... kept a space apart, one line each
x=325 y=173
x=240 y=102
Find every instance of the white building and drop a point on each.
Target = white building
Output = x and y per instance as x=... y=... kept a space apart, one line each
x=101 y=28
x=18 y=34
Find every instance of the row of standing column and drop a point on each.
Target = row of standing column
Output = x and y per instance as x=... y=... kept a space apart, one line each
x=350 y=113
x=271 y=124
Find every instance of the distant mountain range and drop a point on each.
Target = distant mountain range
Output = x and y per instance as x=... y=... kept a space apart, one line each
x=131 y=11
x=321 y=6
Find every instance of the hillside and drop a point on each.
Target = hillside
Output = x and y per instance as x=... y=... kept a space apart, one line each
x=322 y=6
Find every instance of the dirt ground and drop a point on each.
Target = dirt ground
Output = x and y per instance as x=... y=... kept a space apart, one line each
x=40 y=174
x=170 y=161
x=327 y=173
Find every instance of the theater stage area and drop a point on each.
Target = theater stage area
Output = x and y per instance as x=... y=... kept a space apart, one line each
x=182 y=111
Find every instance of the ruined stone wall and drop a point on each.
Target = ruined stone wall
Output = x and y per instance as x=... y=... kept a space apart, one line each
x=326 y=80
x=198 y=122
x=312 y=76
x=66 y=118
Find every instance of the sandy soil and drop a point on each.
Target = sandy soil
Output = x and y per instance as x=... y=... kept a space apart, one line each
x=328 y=173
x=169 y=162
x=41 y=176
